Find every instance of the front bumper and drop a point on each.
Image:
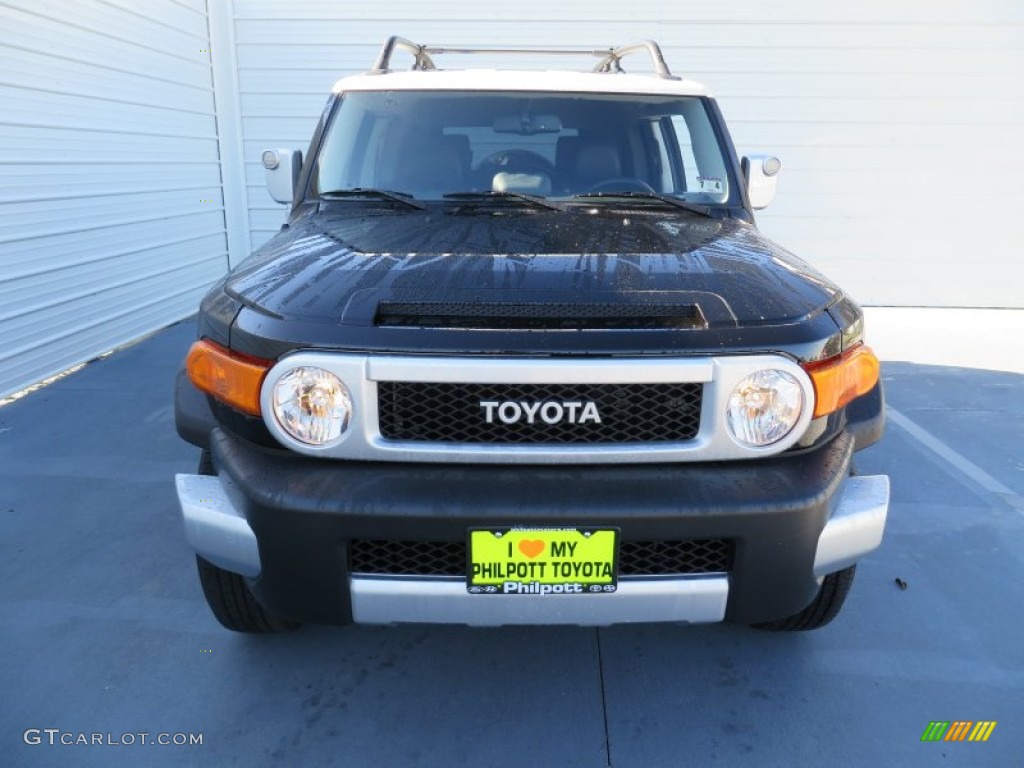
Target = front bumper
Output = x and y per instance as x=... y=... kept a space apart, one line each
x=286 y=521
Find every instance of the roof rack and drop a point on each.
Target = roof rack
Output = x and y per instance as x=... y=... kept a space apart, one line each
x=610 y=58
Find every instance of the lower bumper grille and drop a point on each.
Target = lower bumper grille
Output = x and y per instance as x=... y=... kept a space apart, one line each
x=448 y=558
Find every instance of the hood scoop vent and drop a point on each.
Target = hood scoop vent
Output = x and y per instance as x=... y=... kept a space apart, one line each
x=538 y=316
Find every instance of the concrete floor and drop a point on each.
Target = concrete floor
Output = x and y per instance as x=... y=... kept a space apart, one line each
x=105 y=630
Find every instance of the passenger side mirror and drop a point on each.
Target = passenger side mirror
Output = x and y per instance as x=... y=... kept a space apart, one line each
x=282 y=166
x=761 y=173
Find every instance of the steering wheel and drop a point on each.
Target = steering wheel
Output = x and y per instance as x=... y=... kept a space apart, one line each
x=517 y=161
x=621 y=184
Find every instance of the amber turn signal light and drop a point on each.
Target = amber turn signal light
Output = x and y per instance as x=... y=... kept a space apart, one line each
x=841 y=379
x=231 y=378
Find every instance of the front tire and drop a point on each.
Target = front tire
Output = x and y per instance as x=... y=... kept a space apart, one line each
x=825 y=606
x=232 y=603
x=227 y=594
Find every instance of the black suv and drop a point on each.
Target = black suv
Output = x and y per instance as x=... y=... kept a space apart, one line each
x=521 y=356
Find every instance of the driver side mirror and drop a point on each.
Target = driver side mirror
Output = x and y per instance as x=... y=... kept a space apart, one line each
x=761 y=173
x=282 y=166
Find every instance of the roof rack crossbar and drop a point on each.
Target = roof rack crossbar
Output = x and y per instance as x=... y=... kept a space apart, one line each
x=611 y=58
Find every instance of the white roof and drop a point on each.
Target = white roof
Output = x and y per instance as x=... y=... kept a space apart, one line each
x=557 y=81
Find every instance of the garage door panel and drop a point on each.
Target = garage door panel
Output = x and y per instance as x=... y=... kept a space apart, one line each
x=45 y=219
x=81 y=281
x=274 y=105
x=135 y=27
x=36 y=27
x=61 y=181
x=38 y=326
x=742 y=11
x=21 y=69
x=27 y=106
x=86 y=244
x=24 y=145
x=111 y=204
x=868 y=138
x=264 y=223
x=89 y=341
x=170 y=15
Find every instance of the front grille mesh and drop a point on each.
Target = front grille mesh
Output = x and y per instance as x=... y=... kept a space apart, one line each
x=660 y=558
x=448 y=558
x=408 y=558
x=451 y=413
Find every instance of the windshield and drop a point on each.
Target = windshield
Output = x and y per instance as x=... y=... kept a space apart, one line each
x=429 y=144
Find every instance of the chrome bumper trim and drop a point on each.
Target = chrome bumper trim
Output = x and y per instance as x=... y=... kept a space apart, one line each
x=444 y=600
x=215 y=529
x=856 y=526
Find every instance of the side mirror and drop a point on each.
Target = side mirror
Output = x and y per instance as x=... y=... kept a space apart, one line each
x=283 y=166
x=762 y=174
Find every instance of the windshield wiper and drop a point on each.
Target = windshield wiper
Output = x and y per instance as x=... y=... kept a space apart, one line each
x=368 y=193
x=538 y=200
x=702 y=210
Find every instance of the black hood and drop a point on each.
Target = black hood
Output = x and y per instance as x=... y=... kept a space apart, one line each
x=338 y=269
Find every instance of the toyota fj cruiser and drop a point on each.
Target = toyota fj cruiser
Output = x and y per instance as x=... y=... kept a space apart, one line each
x=521 y=356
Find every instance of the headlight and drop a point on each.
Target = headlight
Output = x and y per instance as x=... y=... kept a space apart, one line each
x=764 y=407
x=312 y=405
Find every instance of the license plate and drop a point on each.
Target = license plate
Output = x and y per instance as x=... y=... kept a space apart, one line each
x=542 y=561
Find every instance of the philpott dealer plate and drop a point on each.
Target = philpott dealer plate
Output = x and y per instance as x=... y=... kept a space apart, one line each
x=542 y=561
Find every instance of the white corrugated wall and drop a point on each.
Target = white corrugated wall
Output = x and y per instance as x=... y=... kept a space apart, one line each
x=111 y=212
x=899 y=123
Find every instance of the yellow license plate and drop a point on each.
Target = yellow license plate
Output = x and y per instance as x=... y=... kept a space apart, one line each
x=542 y=561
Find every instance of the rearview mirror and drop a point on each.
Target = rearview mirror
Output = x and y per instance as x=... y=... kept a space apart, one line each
x=528 y=125
x=762 y=174
x=282 y=166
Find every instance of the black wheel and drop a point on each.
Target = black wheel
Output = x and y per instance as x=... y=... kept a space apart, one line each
x=228 y=595
x=233 y=604
x=825 y=606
